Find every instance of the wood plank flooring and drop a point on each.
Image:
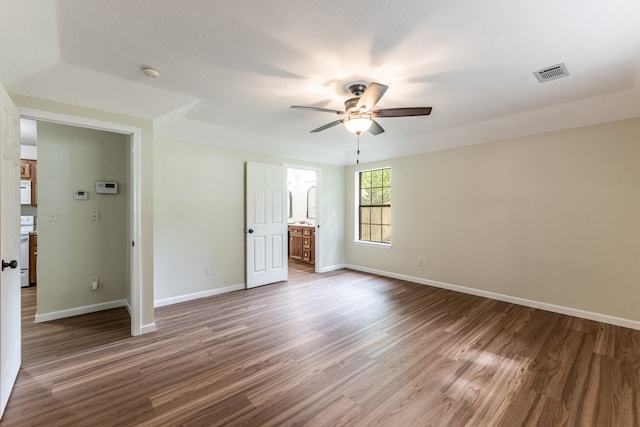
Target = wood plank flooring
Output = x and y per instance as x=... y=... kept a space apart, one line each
x=337 y=349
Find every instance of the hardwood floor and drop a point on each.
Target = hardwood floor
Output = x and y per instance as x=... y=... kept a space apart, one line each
x=340 y=348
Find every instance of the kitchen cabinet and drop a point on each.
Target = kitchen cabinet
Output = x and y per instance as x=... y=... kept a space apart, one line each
x=25 y=169
x=29 y=172
x=33 y=257
x=302 y=242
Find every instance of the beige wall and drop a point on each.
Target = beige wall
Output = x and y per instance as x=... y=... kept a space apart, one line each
x=199 y=217
x=146 y=185
x=75 y=248
x=551 y=218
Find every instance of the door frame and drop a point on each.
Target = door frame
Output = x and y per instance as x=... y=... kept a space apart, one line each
x=318 y=238
x=135 y=200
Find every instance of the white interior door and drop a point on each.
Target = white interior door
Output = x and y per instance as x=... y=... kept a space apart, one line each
x=266 y=222
x=10 y=338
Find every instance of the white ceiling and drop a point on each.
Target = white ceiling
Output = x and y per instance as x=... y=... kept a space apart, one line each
x=230 y=69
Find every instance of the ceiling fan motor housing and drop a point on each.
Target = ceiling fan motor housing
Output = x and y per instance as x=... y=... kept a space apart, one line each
x=357 y=89
x=350 y=104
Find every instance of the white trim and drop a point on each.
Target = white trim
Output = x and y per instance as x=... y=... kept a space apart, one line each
x=569 y=311
x=331 y=268
x=136 y=297
x=76 y=311
x=145 y=329
x=75 y=120
x=197 y=295
x=379 y=245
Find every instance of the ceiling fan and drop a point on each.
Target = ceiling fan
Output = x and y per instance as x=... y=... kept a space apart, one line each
x=359 y=113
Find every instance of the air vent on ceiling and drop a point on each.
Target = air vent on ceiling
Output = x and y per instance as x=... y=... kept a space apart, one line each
x=551 y=73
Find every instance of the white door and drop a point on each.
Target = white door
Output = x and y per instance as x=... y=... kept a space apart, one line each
x=266 y=222
x=10 y=339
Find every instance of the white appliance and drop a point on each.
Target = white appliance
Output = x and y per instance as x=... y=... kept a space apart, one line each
x=26 y=227
x=25 y=192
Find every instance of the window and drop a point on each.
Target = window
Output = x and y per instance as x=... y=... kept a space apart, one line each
x=375 y=206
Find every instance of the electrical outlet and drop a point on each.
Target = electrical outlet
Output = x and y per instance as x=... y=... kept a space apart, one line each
x=210 y=271
x=419 y=262
x=425 y=262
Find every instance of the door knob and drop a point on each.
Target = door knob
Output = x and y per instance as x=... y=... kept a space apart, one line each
x=250 y=230
x=11 y=264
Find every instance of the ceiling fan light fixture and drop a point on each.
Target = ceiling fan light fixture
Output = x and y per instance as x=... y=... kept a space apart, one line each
x=357 y=123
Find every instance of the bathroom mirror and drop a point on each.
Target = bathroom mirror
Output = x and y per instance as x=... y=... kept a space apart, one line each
x=311 y=202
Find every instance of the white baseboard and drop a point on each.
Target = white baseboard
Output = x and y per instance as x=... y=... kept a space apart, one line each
x=54 y=315
x=197 y=295
x=145 y=329
x=598 y=317
x=331 y=268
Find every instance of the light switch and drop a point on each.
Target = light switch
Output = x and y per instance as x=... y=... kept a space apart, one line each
x=53 y=216
x=95 y=216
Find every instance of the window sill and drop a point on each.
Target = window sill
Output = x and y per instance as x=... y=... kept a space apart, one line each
x=372 y=244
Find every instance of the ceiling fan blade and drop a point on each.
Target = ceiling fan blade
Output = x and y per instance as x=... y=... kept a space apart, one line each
x=375 y=128
x=325 y=110
x=371 y=96
x=402 y=112
x=327 y=126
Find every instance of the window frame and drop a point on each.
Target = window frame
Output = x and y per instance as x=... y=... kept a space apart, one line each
x=357 y=211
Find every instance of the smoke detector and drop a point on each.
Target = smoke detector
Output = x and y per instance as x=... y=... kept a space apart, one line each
x=152 y=73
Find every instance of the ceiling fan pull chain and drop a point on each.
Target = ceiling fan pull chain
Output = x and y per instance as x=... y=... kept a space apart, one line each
x=358 y=151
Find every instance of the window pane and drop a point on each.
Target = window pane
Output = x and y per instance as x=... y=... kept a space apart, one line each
x=365 y=215
x=386 y=234
x=386 y=195
x=386 y=177
x=365 y=197
x=375 y=233
x=386 y=215
x=376 y=196
x=376 y=178
x=365 y=232
x=365 y=179
x=376 y=216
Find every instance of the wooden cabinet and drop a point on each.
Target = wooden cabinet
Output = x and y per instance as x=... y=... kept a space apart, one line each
x=302 y=242
x=295 y=243
x=33 y=257
x=309 y=245
x=25 y=169
x=29 y=172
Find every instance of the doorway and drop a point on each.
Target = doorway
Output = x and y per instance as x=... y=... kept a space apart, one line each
x=28 y=202
x=303 y=217
x=81 y=231
x=132 y=219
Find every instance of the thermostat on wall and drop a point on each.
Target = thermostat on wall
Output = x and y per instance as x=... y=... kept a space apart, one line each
x=106 y=187
x=80 y=195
